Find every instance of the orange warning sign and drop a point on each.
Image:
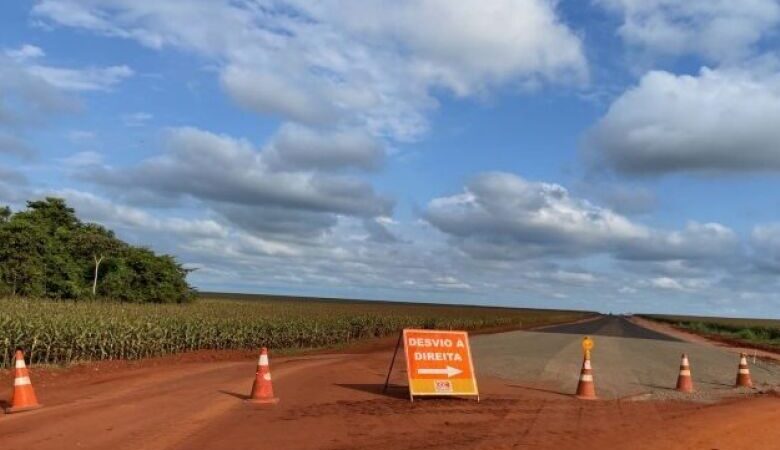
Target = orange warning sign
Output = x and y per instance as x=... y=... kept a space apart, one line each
x=439 y=363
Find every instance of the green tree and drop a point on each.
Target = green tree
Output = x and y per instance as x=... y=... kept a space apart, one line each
x=97 y=243
x=46 y=251
x=21 y=259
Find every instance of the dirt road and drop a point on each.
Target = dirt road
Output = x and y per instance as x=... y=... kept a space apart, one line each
x=335 y=402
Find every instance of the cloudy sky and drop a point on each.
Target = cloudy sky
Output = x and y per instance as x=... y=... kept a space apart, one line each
x=619 y=155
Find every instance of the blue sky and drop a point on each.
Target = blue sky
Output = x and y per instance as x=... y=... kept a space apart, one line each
x=618 y=155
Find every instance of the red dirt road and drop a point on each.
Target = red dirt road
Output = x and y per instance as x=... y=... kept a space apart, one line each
x=333 y=402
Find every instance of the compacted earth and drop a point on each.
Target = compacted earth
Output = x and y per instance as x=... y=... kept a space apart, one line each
x=335 y=401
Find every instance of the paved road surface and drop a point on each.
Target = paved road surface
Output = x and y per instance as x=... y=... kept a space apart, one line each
x=616 y=326
x=628 y=361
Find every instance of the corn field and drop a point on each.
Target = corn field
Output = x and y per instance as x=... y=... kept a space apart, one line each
x=53 y=332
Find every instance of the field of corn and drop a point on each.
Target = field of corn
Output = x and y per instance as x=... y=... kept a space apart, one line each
x=64 y=332
x=761 y=332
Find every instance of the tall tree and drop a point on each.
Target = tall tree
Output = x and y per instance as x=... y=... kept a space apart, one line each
x=96 y=242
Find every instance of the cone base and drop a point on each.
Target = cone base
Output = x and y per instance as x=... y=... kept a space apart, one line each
x=262 y=401
x=18 y=409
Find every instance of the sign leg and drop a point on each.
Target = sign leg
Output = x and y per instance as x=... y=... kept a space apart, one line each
x=392 y=362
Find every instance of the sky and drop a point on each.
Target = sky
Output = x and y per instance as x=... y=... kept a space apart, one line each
x=611 y=155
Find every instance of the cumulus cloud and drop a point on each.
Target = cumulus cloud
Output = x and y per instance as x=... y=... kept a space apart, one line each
x=89 y=79
x=93 y=208
x=356 y=63
x=297 y=147
x=719 y=120
x=26 y=98
x=719 y=30
x=231 y=174
x=32 y=92
x=501 y=215
x=765 y=241
x=82 y=79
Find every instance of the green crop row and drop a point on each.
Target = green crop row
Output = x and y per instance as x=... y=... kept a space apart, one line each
x=753 y=331
x=64 y=332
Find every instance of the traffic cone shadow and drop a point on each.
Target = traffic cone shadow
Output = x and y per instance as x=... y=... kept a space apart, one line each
x=23 y=397
x=262 y=389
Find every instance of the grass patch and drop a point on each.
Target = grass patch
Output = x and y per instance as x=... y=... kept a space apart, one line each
x=764 y=333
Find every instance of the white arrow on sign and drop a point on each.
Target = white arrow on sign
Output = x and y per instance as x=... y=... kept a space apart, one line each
x=449 y=371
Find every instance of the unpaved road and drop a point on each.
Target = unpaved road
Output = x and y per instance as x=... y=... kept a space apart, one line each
x=334 y=402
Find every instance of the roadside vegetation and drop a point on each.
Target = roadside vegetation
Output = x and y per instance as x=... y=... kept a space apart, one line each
x=761 y=333
x=47 y=252
x=72 y=291
x=58 y=332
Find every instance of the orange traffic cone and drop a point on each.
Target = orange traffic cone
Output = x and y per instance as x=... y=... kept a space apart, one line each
x=684 y=381
x=262 y=389
x=743 y=373
x=586 y=390
x=23 y=397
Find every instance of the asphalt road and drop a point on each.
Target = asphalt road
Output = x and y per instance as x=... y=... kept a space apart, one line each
x=616 y=326
x=628 y=361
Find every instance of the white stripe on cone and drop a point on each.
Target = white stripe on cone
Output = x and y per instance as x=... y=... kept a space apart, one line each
x=267 y=377
x=685 y=373
x=685 y=361
x=22 y=381
x=20 y=364
x=744 y=372
x=743 y=361
x=586 y=377
x=587 y=364
x=263 y=360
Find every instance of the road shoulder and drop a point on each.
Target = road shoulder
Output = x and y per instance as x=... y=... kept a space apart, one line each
x=698 y=339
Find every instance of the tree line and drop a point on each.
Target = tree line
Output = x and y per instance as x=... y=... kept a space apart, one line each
x=47 y=252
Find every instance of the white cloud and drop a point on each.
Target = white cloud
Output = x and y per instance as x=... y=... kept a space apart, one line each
x=719 y=30
x=503 y=216
x=25 y=52
x=236 y=180
x=667 y=283
x=352 y=63
x=89 y=79
x=137 y=119
x=297 y=147
x=719 y=120
x=765 y=242
x=91 y=207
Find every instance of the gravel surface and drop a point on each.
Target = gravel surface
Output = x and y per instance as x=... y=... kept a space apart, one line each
x=631 y=368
